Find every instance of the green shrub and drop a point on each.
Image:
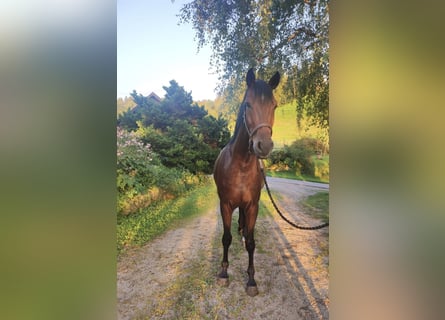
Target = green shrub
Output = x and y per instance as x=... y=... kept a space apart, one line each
x=134 y=159
x=310 y=145
x=181 y=132
x=321 y=168
x=141 y=178
x=297 y=156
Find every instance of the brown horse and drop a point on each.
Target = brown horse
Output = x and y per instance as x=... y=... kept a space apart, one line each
x=237 y=172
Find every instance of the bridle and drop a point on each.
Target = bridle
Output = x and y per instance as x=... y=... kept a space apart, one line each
x=251 y=133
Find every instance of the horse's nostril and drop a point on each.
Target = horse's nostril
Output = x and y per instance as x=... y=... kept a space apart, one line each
x=263 y=148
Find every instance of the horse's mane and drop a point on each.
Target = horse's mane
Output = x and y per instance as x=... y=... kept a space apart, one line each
x=260 y=88
x=239 y=121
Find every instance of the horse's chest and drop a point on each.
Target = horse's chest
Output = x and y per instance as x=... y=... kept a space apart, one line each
x=238 y=182
x=243 y=184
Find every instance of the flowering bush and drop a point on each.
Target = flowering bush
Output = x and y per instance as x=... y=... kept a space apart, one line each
x=133 y=161
x=141 y=178
x=129 y=145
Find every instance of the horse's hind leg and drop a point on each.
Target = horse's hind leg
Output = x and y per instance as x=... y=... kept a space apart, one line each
x=223 y=276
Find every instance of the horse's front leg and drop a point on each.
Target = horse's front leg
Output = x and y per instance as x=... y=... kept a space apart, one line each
x=251 y=216
x=226 y=214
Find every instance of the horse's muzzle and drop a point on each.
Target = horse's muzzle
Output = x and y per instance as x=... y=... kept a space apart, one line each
x=262 y=148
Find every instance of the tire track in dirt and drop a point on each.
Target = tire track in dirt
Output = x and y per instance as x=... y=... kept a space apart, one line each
x=174 y=275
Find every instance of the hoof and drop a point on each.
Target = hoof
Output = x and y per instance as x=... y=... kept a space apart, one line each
x=252 y=291
x=223 y=282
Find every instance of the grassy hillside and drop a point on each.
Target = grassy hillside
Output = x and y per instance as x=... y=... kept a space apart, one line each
x=285 y=129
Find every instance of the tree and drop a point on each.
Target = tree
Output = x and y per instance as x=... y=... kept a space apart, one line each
x=124 y=104
x=215 y=132
x=143 y=105
x=181 y=133
x=288 y=36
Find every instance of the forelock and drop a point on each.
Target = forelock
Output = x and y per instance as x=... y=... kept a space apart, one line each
x=263 y=90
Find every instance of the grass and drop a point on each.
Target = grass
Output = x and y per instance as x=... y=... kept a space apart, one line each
x=285 y=129
x=317 y=205
x=141 y=227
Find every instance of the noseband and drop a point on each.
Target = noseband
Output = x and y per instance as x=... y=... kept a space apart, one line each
x=258 y=127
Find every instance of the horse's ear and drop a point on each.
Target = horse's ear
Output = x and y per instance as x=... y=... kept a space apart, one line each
x=275 y=80
x=250 y=78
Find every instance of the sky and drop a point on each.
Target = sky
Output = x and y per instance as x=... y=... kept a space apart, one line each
x=153 y=49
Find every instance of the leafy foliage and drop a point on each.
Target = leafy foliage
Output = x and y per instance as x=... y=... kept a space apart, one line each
x=182 y=133
x=288 y=36
x=144 y=225
x=298 y=157
x=141 y=178
x=129 y=118
x=133 y=162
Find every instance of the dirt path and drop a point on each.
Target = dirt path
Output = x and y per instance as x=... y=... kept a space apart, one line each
x=173 y=277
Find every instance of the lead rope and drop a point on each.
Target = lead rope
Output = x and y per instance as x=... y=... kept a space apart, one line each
x=278 y=210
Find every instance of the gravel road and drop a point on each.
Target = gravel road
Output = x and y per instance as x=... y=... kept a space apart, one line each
x=173 y=276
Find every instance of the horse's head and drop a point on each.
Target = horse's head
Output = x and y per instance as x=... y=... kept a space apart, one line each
x=259 y=112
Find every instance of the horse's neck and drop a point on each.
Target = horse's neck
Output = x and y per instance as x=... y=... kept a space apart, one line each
x=240 y=146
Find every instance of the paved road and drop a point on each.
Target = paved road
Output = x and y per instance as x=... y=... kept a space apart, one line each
x=274 y=182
